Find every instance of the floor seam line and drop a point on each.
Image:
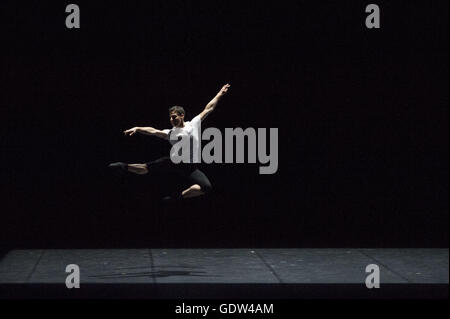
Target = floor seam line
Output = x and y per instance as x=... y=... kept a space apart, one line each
x=384 y=265
x=269 y=266
x=35 y=266
x=152 y=265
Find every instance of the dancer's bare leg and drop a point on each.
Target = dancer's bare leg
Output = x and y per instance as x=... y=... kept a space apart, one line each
x=140 y=169
x=193 y=191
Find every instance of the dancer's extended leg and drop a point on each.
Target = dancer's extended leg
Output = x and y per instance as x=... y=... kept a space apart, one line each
x=200 y=184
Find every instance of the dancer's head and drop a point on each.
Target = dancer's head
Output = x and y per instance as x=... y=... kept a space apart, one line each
x=176 y=114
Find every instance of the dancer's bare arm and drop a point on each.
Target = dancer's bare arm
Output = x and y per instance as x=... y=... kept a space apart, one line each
x=213 y=103
x=147 y=131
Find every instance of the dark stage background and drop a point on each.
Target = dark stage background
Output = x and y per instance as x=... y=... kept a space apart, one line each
x=362 y=117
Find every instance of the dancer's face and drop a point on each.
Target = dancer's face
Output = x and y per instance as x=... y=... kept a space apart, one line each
x=176 y=119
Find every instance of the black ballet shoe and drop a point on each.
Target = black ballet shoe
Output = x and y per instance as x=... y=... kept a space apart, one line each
x=171 y=199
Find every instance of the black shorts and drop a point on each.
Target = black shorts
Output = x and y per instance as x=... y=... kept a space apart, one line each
x=191 y=172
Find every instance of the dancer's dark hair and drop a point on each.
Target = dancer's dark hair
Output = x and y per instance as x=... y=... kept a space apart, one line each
x=178 y=109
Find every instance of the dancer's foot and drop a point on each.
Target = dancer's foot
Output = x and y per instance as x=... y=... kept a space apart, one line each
x=119 y=167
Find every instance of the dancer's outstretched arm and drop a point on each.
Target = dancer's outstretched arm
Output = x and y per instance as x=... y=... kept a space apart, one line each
x=146 y=131
x=213 y=103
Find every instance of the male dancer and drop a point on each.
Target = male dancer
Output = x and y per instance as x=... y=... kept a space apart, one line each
x=200 y=184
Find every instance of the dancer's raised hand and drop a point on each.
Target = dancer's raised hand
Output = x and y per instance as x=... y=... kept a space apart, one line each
x=131 y=131
x=224 y=90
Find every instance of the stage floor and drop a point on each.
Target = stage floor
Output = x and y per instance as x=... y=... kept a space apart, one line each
x=225 y=273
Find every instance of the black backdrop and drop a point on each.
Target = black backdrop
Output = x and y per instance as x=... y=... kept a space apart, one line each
x=362 y=117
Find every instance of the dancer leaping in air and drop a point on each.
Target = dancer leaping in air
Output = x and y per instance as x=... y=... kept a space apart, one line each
x=200 y=184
